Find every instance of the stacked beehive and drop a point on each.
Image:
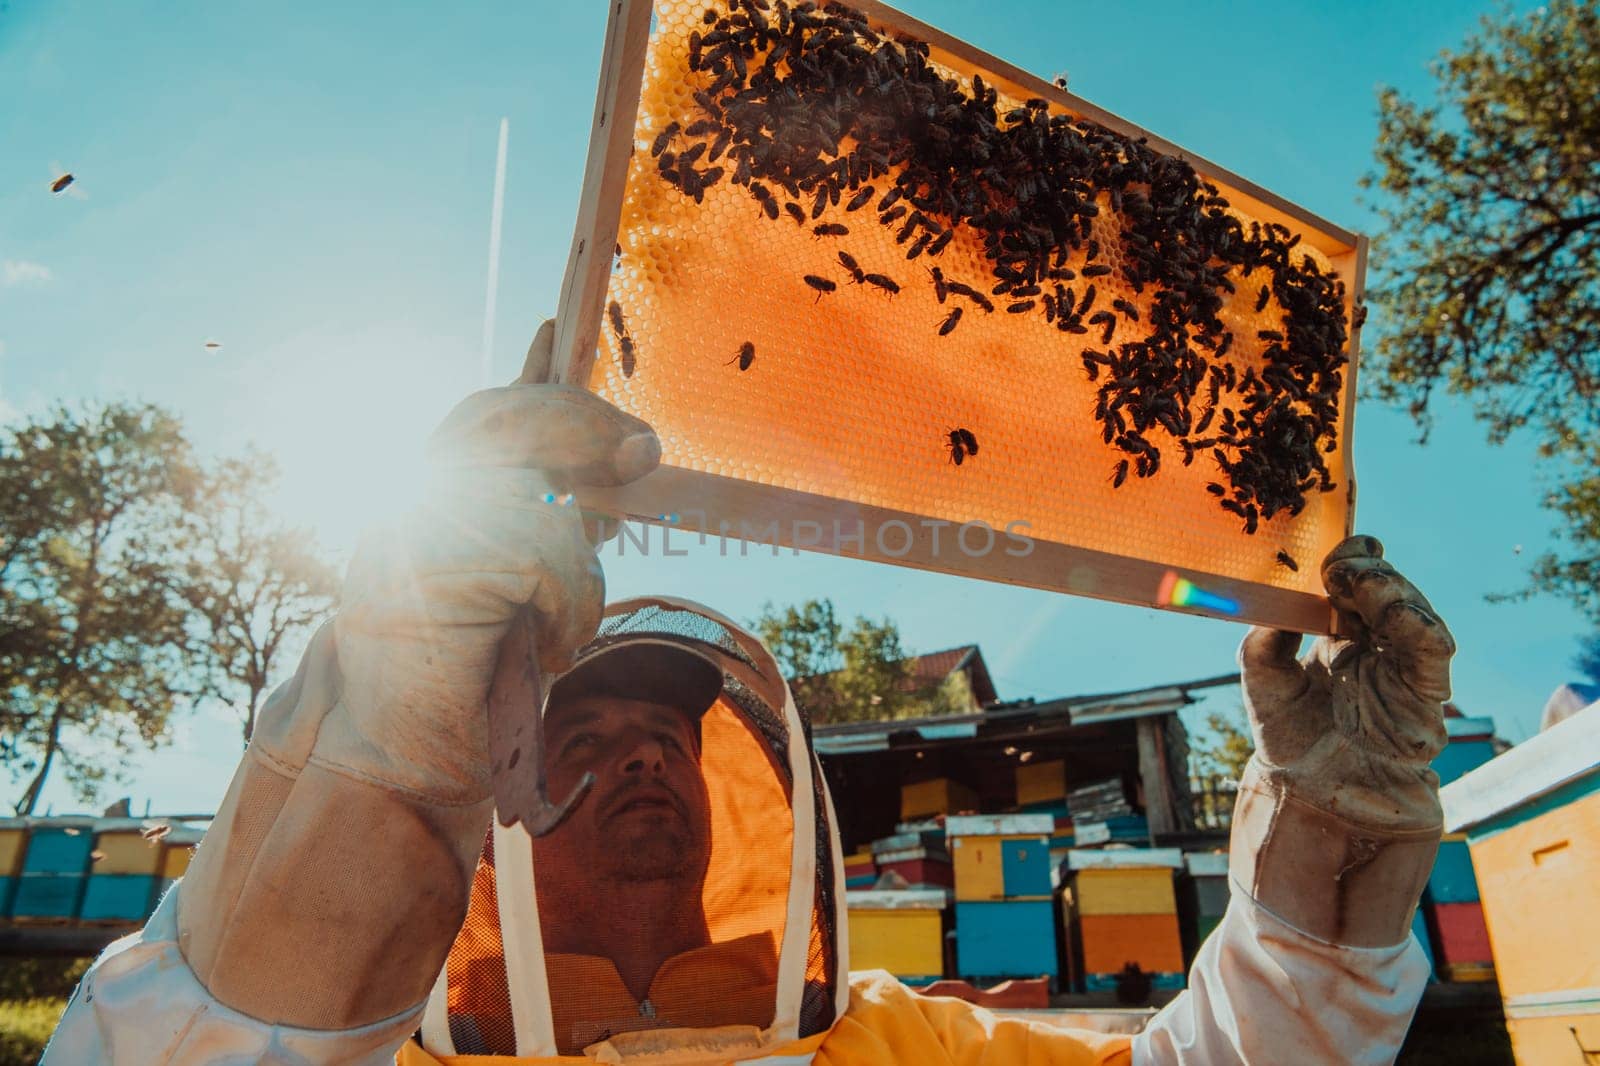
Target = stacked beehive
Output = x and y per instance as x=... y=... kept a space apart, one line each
x=902 y=932
x=1127 y=912
x=1532 y=819
x=917 y=857
x=860 y=872
x=125 y=876
x=1042 y=789
x=941 y=795
x=1208 y=895
x=1005 y=921
x=1460 y=942
x=1101 y=814
x=55 y=865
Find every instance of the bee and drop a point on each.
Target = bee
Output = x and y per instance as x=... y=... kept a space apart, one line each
x=848 y=261
x=796 y=212
x=746 y=356
x=820 y=204
x=890 y=198
x=664 y=138
x=940 y=289
x=961 y=443
x=940 y=241
x=1358 y=316
x=1099 y=270
x=1288 y=560
x=917 y=246
x=950 y=322
x=629 y=362
x=1119 y=475
x=1019 y=307
x=688 y=156
x=1125 y=307
x=1269 y=335
x=701 y=127
x=617 y=326
x=887 y=284
x=822 y=285
x=830 y=229
x=892 y=215
x=61 y=183
x=861 y=199
x=763 y=195
x=1261 y=300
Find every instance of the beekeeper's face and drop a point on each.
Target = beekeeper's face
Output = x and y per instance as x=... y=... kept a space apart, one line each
x=647 y=817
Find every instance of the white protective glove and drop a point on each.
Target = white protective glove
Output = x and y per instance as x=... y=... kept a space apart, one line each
x=1338 y=815
x=335 y=877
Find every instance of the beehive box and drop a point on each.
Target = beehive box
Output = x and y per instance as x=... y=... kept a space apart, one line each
x=858 y=403
x=898 y=931
x=1532 y=819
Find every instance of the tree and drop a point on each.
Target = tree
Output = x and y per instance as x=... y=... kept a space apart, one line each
x=1488 y=283
x=252 y=585
x=1227 y=748
x=847 y=675
x=93 y=657
x=1588 y=658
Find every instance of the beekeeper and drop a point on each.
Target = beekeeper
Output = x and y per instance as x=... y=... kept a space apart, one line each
x=352 y=903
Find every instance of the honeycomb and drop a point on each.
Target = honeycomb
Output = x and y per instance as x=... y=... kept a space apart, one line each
x=749 y=371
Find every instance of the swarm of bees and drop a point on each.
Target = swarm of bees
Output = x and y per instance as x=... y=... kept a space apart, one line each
x=810 y=108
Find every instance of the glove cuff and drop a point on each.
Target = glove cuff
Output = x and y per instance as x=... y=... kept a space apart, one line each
x=1336 y=880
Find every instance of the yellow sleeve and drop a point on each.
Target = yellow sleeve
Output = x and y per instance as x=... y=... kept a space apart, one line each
x=887 y=1022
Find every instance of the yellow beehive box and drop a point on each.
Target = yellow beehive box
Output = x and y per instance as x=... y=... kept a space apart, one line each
x=1040 y=782
x=1147 y=891
x=802 y=316
x=13 y=842
x=902 y=932
x=979 y=867
x=126 y=851
x=175 y=860
x=938 y=796
x=1532 y=819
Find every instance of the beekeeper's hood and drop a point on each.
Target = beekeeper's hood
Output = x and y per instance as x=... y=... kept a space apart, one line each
x=773 y=895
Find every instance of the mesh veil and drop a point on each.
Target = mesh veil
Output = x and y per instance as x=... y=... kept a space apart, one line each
x=770 y=895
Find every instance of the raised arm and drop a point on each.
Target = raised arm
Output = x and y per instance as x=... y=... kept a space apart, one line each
x=321 y=904
x=1334 y=834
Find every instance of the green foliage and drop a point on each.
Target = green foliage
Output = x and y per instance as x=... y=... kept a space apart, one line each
x=850 y=675
x=93 y=661
x=1588 y=658
x=25 y=1028
x=251 y=584
x=1225 y=747
x=1488 y=276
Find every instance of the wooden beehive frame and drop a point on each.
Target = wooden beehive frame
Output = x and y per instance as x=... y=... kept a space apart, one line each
x=729 y=504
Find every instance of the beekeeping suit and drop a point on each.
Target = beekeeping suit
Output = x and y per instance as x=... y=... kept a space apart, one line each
x=351 y=903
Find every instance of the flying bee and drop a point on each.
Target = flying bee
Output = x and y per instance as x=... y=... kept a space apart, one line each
x=629 y=362
x=617 y=326
x=746 y=356
x=822 y=285
x=887 y=284
x=1119 y=475
x=830 y=229
x=664 y=138
x=1288 y=560
x=950 y=322
x=61 y=183
x=861 y=199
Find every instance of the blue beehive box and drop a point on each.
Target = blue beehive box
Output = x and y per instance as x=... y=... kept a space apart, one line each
x=58 y=850
x=8 y=885
x=1460 y=757
x=47 y=896
x=1453 y=879
x=1025 y=867
x=118 y=897
x=1419 y=929
x=1006 y=939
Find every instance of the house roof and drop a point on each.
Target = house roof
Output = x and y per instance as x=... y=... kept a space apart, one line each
x=928 y=671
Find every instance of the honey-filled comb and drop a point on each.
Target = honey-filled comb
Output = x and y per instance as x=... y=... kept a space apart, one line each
x=884 y=295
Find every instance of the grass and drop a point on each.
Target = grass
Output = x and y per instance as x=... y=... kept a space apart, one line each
x=25 y=1027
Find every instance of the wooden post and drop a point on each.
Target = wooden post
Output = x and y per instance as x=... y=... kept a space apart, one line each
x=1153 y=773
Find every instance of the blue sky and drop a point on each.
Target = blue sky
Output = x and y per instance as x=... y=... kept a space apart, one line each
x=313 y=191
